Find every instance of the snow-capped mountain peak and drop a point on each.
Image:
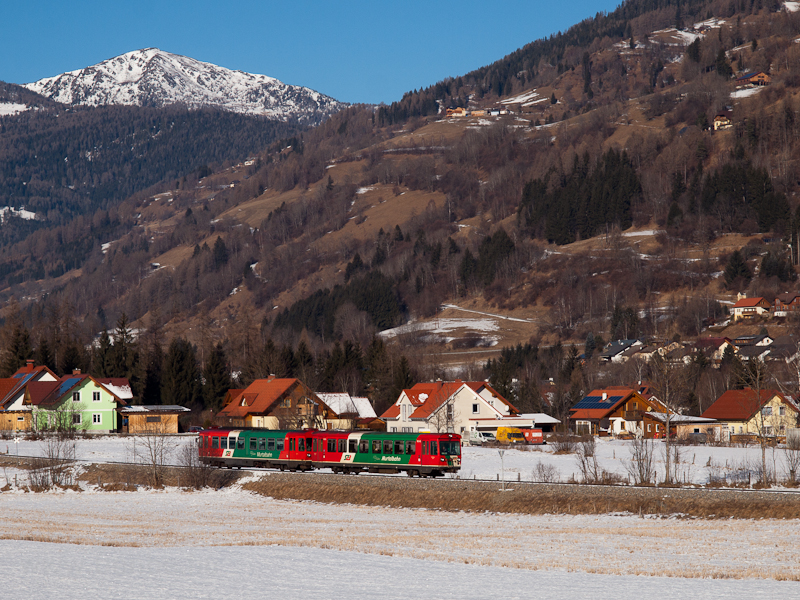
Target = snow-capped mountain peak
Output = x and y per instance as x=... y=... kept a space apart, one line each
x=152 y=77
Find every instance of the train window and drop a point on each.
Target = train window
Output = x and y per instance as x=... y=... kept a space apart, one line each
x=262 y=443
x=301 y=445
x=252 y=443
x=331 y=445
x=363 y=446
x=279 y=445
x=308 y=444
x=409 y=447
x=215 y=442
x=434 y=451
x=376 y=446
x=292 y=444
x=398 y=447
x=343 y=446
x=450 y=448
x=270 y=444
x=387 y=446
x=239 y=443
x=223 y=443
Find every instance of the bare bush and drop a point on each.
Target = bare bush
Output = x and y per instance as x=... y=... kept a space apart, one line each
x=792 y=456
x=563 y=443
x=641 y=465
x=545 y=473
x=197 y=474
x=153 y=449
x=54 y=468
x=587 y=461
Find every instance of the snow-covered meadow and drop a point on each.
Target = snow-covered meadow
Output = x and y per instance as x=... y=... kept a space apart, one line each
x=194 y=544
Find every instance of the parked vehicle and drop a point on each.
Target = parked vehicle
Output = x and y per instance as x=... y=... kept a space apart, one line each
x=510 y=435
x=533 y=436
x=479 y=438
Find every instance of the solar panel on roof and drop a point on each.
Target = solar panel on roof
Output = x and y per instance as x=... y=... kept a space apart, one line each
x=65 y=385
x=597 y=402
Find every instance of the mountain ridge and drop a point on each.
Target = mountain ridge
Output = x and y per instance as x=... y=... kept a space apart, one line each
x=153 y=77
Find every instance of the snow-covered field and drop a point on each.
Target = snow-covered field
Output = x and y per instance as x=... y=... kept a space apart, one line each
x=182 y=544
x=698 y=463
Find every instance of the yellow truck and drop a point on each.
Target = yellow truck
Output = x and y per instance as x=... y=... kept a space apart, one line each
x=510 y=435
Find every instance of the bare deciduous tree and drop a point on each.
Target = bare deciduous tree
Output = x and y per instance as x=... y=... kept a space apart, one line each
x=153 y=449
x=641 y=465
x=668 y=382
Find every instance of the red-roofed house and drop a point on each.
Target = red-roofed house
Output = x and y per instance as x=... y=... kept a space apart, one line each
x=444 y=406
x=714 y=347
x=746 y=308
x=14 y=414
x=616 y=411
x=276 y=403
x=746 y=412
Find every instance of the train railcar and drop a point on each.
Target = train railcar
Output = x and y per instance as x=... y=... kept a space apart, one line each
x=420 y=454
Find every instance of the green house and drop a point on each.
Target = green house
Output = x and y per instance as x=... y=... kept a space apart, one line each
x=77 y=403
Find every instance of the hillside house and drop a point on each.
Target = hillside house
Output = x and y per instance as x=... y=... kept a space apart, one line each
x=786 y=303
x=723 y=120
x=754 y=78
x=746 y=412
x=714 y=347
x=614 y=411
x=747 y=308
x=74 y=402
x=614 y=351
x=276 y=403
x=456 y=112
x=447 y=406
x=14 y=414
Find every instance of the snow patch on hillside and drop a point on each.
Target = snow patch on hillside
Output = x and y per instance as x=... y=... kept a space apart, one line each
x=12 y=108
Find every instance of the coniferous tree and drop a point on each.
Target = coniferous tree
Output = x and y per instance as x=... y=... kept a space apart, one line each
x=217 y=378
x=44 y=356
x=737 y=271
x=180 y=381
x=18 y=351
x=101 y=359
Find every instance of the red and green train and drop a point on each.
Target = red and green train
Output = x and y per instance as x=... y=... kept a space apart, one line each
x=420 y=454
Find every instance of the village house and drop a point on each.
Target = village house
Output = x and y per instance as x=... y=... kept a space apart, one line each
x=748 y=413
x=754 y=78
x=683 y=426
x=14 y=414
x=714 y=348
x=786 y=303
x=614 y=351
x=746 y=308
x=356 y=410
x=447 y=406
x=148 y=419
x=76 y=402
x=276 y=403
x=723 y=120
x=615 y=411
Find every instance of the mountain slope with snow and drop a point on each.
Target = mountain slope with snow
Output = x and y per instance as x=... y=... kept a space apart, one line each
x=152 y=77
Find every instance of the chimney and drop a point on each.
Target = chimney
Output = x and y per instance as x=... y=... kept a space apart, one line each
x=29 y=365
x=76 y=371
x=605 y=396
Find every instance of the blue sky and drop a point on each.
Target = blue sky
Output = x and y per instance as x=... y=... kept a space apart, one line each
x=355 y=51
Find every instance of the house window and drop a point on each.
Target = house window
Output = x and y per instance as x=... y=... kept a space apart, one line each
x=286 y=403
x=767 y=411
x=407 y=429
x=95 y=396
x=394 y=430
x=782 y=411
x=76 y=419
x=658 y=427
x=97 y=418
x=475 y=409
x=20 y=418
x=76 y=396
x=648 y=428
x=156 y=419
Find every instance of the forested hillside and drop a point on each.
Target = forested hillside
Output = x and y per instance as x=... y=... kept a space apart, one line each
x=587 y=197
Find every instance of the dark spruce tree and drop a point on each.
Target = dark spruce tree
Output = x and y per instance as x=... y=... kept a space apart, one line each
x=180 y=381
x=737 y=273
x=217 y=379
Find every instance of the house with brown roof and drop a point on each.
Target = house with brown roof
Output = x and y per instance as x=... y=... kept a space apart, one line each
x=442 y=406
x=723 y=120
x=276 y=403
x=747 y=308
x=714 y=347
x=750 y=413
x=615 y=411
x=754 y=78
x=76 y=402
x=14 y=414
x=786 y=303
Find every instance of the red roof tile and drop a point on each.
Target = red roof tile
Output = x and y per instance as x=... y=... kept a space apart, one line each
x=750 y=302
x=741 y=405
